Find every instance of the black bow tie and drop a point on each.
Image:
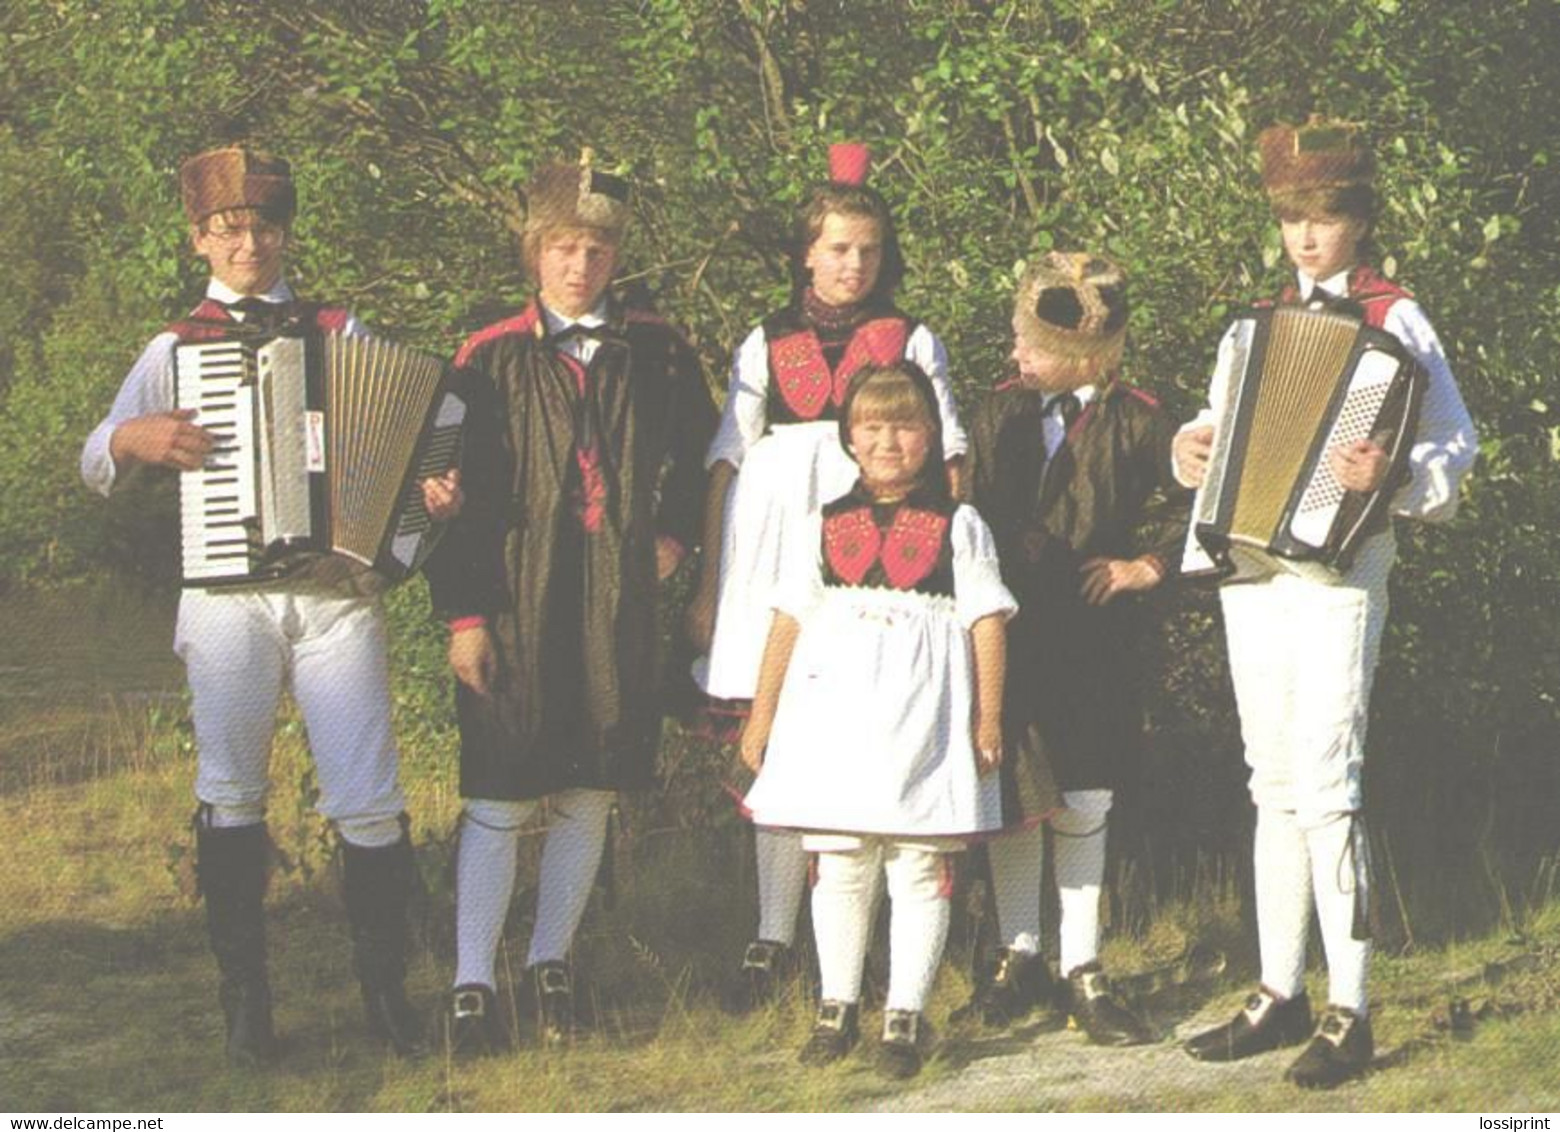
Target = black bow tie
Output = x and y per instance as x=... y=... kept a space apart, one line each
x=258 y=315
x=1323 y=296
x=1067 y=406
x=577 y=330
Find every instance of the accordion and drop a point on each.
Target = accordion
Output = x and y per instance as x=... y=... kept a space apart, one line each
x=321 y=440
x=1301 y=382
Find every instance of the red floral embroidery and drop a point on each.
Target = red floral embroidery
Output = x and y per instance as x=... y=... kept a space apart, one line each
x=851 y=540
x=801 y=372
x=911 y=549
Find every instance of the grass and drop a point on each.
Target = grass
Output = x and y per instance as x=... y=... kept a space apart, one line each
x=108 y=994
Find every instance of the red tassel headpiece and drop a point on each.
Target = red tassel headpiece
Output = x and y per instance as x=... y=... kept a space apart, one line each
x=848 y=163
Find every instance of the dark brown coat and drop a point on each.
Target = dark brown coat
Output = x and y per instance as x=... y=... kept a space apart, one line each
x=1073 y=697
x=572 y=611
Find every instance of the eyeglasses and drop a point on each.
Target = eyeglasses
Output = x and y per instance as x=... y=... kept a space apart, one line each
x=264 y=233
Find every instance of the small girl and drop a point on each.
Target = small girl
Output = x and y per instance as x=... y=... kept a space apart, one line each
x=779 y=428
x=887 y=648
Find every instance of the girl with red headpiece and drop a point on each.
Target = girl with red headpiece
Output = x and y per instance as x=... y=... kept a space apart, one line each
x=779 y=430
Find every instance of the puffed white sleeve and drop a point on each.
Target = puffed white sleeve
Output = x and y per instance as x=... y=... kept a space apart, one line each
x=977 y=575
x=746 y=414
x=800 y=588
x=1445 y=444
x=147 y=388
x=926 y=350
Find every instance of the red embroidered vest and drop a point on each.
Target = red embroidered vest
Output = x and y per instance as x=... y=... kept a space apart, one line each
x=210 y=320
x=1368 y=290
x=901 y=546
x=801 y=385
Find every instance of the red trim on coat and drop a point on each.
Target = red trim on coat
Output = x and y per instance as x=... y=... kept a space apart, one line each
x=522 y=323
x=592 y=503
x=1141 y=394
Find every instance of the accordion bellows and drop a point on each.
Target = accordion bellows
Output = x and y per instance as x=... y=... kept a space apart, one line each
x=322 y=440
x=1301 y=383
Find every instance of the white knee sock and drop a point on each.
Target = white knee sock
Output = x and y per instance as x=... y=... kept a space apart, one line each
x=918 y=886
x=1017 y=863
x=1079 y=843
x=1282 y=864
x=1338 y=873
x=842 y=905
x=484 y=883
x=782 y=879
x=576 y=835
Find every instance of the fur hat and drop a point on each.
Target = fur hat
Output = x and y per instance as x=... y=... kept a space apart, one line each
x=560 y=195
x=1318 y=155
x=1072 y=305
x=236 y=176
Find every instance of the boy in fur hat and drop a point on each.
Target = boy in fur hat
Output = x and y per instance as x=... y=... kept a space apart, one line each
x=585 y=473
x=1071 y=467
x=1302 y=652
x=240 y=647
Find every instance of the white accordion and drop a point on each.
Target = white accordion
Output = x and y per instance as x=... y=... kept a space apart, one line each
x=1300 y=383
x=321 y=441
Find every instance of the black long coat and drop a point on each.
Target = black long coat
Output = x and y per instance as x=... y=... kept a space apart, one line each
x=1073 y=699
x=572 y=610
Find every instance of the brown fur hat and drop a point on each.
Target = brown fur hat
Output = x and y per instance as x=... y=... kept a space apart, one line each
x=561 y=195
x=1072 y=305
x=236 y=176
x=1321 y=154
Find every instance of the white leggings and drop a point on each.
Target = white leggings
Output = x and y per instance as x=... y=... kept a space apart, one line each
x=1018 y=862
x=844 y=901
x=485 y=869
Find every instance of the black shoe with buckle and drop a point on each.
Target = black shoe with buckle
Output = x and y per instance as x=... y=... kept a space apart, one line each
x=1019 y=984
x=765 y=965
x=554 y=990
x=474 y=1026
x=1265 y=1023
x=1341 y=1050
x=905 y=1036
x=835 y=1033
x=1099 y=1013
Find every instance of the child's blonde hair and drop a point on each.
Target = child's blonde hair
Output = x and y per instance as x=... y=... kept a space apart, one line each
x=898 y=392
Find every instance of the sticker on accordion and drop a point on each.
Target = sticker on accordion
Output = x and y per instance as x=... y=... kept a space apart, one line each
x=314 y=431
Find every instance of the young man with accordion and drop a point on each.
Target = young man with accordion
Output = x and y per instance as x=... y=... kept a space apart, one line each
x=243 y=641
x=1331 y=412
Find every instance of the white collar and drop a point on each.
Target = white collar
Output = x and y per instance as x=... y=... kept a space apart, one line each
x=1337 y=285
x=279 y=292
x=1084 y=393
x=557 y=323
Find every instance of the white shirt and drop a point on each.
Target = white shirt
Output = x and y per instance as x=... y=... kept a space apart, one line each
x=1052 y=428
x=1445 y=443
x=149 y=386
x=580 y=347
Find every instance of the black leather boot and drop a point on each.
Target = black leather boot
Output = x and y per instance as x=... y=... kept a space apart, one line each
x=231 y=867
x=378 y=889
